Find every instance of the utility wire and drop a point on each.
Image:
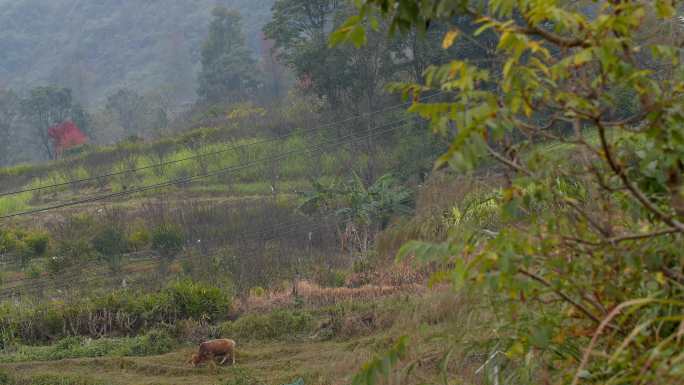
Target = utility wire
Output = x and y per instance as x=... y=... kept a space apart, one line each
x=213 y=153
x=189 y=179
x=281 y=229
x=288 y=201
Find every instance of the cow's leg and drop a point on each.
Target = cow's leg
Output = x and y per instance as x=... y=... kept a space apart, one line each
x=223 y=361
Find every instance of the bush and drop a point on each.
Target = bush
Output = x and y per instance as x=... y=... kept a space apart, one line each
x=167 y=239
x=197 y=301
x=155 y=342
x=55 y=265
x=330 y=278
x=7 y=241
x=257 y=291
x=24 y=245
x=280 y=324
x=139 y=239
x=110 y=241
x=74 y=250
x=37 y=244
x=122 y=312
x=34 y=271
x=5 y=378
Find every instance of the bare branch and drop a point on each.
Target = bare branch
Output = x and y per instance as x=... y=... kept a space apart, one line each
x=565 y=297
x=631 y=187
x=592 y=222
x=625 y=238
x=508 y=162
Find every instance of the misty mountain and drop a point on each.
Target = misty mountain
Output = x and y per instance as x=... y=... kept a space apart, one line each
x=95 y=47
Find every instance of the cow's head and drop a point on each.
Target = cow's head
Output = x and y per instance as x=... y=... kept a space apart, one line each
x=194 y=360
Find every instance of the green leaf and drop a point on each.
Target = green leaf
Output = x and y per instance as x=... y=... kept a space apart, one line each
x=424 y=251
x=583 y=56
x=665 y=9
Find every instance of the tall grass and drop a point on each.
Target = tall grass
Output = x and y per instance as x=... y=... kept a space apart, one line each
x=151 y=343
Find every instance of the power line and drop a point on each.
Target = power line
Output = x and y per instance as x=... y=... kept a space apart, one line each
x=287 y=228
x=282 y=229
x=289 y=201
x=213 y=153
x=184 y=180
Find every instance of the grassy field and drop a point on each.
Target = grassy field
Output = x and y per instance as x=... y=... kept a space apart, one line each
x=267 y=363
x=429 y=319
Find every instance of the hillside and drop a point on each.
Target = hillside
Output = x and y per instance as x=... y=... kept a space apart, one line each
x=495 y=195
x=94 y=47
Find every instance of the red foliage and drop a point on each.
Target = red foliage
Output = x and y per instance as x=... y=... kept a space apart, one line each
x=66 y=135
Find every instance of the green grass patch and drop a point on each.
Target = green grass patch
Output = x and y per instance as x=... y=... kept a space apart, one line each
x=152 y=343
x=14 y=203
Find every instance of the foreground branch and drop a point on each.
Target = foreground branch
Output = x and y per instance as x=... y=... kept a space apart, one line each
x=508 y=162
x=565 y=297
x=631 y=187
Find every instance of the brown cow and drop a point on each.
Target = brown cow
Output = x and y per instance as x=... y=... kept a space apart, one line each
x=214 y=348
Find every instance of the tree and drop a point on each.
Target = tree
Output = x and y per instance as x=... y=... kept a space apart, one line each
x=9 y=113
x=129 y=109
x=300 y=31
x=228 y=69
x=65 y=136
x=363 y=210
x=352 y=82
x=45 y=107
x=587 y=256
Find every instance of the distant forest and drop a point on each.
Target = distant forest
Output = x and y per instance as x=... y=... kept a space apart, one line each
x=96 y=47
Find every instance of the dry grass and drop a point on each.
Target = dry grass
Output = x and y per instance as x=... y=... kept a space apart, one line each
x=434 y=202
x=313 y=295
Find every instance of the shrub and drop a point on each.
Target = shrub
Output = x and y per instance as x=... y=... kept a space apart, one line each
x=7 y=241
x=280 y=324
x=110 y=241
x=23 y=253
x=193 y=300
x=257 y=291
x=139 y=239
x=23 y=245
x=152 y=343
x=56 y=265
x=74 y=250
x=37 y=244
x=122 y=312
x=34 y=271
x=167 y=239
x=5 y=378
x=155 y=342
x=330 y=278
